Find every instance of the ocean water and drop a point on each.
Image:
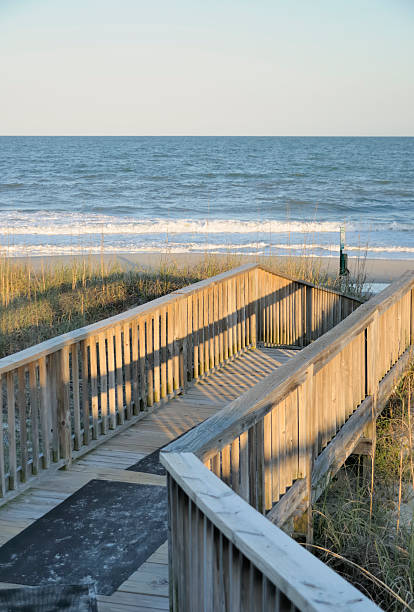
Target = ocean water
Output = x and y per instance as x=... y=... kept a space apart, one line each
x=67 y=195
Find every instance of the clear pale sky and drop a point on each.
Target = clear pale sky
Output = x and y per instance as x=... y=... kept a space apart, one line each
x=207 y=67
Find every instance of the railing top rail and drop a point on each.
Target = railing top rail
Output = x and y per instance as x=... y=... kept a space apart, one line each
x=52 y=345
x=306 y=581
x=239 y=415
x=309 y=284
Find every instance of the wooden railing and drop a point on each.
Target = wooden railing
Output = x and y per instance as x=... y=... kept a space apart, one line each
x=62 y=397
x=272 y=451
x=293 y=313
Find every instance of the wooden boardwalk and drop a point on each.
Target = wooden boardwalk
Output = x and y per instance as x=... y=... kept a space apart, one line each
x=98 y=399
x=147 y=588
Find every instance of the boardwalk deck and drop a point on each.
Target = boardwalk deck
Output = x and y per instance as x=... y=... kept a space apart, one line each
x=265 y=446
x=147 y=588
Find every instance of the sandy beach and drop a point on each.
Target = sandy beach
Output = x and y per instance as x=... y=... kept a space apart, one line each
x=377 y=270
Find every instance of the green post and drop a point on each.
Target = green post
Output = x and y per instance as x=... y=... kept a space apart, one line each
x=343 y=257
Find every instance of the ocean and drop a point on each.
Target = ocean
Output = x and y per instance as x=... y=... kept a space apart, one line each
x=251 y=195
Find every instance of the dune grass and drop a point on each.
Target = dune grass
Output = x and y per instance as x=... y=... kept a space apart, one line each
x=380 y=542
x=38 y=302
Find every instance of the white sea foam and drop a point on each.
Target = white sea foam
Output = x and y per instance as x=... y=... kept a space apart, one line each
x=47 y=223
x=259 y=248
x=58 y=233
x=78 y=224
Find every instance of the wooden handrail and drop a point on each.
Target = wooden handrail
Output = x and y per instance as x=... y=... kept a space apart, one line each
x=82 y=333
x=311 y=285
x=88 y=384
x=246 y=542
x=245 y=411
x=276 y=447
x=47 y=347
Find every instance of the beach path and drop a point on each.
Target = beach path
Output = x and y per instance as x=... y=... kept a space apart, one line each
x=146 y=588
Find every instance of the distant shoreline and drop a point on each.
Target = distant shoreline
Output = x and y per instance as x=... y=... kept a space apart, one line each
x=377 y=270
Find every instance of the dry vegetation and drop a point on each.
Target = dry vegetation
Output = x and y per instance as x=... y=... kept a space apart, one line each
x=39 y=302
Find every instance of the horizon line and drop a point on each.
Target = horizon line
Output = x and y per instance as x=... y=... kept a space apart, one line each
x=205 y=136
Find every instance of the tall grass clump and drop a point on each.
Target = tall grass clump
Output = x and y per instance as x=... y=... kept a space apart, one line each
x=40 y=302
x=375 y=549
x=308 y=267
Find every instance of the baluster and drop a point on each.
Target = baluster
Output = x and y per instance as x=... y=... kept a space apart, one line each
x=156 y=356
x=2 y=462
x=111 y=378
x=34 y=405
x=103 y=380
x=22 y=420
x=127 y=370
x=134 y=367
x=63 y=412
x=11 y=411
x=75 y=394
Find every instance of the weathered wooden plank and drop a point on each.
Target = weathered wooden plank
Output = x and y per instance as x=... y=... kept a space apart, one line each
x=221 y=326
x=111 y=379
x=244 y=466
x=3 y=488
x=74 y=352
x=267 y=456
x=126 y=336
x=136 y=396
x=156 y=350
x=262 y=543
x=206 y=328
x=196 y=337
x=225 y=314
x=63 y=408
x=225 y=465
x=34 y=405
x=211 y=346
x=184 y=343
x=44 y=413
x=94 y=388
x=164 y=352
x=176 y=345
x=189 y=343
x=22 y=422
x=103 y=382
x=149 y=362
x=142 y=363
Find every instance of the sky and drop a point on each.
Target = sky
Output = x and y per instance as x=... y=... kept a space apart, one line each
x=216 y=67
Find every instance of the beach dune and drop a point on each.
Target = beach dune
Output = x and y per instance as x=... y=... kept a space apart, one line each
x=377 y=270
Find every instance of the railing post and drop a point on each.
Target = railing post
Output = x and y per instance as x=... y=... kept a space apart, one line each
x=412 y=318
x=53 y=377
x=308 y=316
x=372 y=390
x=11 y=431
x=307 y=429
x=63 y=410
x=254 y=298
x=310 y=447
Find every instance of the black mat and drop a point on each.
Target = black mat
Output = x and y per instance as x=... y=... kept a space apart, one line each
x=150 y=464
x=70 y=598
x=103 y=533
